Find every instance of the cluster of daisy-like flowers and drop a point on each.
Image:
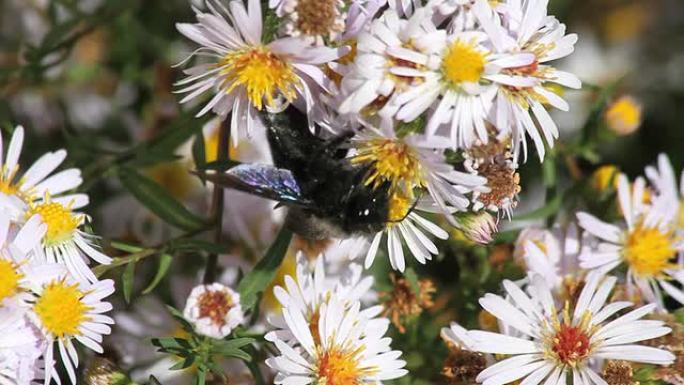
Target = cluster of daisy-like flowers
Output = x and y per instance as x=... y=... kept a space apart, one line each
x=568 y=318
x=49 y=296
x=441 y=95
x=326 y=336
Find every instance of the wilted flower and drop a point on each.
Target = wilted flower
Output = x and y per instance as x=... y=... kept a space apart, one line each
x=406 y=301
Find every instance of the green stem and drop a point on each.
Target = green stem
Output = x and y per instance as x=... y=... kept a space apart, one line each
x=218 y=201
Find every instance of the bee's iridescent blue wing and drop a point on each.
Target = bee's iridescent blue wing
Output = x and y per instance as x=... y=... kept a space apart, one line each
x=263 y=180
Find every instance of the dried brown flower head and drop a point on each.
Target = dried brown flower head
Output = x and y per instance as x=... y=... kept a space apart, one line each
x=462 y=366
x=310 y=248
x=618 y=373
x=403 y=302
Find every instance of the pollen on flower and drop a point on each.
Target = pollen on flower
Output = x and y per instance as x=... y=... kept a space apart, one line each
x=463 y=63
x=60 y=220
x=337 y=366
x=60 y=309
x=570 y=344
x=618 y=373
x=262 y=73
x=215 y=304
x=399 y=207
x=9 y=279
x=392 y=161
x=649 y=251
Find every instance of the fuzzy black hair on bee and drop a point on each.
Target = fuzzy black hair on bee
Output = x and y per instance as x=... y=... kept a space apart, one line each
x=324 y=190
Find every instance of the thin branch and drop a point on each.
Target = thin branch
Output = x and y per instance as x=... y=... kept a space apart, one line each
x=218 y=201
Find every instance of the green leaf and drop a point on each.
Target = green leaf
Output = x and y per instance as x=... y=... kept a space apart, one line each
x=679 y=315
x=164 y=264
x=184 y=364
x=198 y=151
x=201 y=376
x=160 y=202
x=188 y=244
x=178 y=316
x=223 y=346
x=263 y=273
x=118 y=245
x=546 y=211
x=127 y=281
x=171 y=344
x=219 y=165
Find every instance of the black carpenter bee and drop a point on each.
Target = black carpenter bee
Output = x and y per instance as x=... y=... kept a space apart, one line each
x=324 y=190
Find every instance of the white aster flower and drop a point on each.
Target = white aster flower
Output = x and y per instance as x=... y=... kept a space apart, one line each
x=37 y=180
x=557 y=344
x=460 y=78
x=403 y=7
x=370 y=84
x=307 y=291
x=338 y=350
x=552 y=254
x=544 y=38
x=667 y=194
x=646 y=244
x=64 y=241
x=415 y=162
x=245 y=74
x=66 y=310
x=214 y=310
x=21 y=346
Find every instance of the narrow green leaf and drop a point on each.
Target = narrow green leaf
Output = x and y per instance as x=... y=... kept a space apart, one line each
x=198 y=151
x=154 y=381
x=263 y=273
x=184 y=364
x=127 y=281
x=164 y=264
x=171 y=343
x=118 y=245
x=239 y=354
x=187 y=244
x=178 y=316
x=222 y=346
x=158 y=200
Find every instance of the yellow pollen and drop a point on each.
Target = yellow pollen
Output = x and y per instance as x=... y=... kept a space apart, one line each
x=60 y=309
x=399 y=207
x=393 y=161
x=339 y=367
x=61 y=222
x=623 y=116
x=463 y=63
x=9 y=279
x=263 y=74
x=648 y=251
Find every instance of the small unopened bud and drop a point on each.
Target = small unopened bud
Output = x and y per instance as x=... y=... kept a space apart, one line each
x=101 y=371
x=623 y=116
x=479 y=227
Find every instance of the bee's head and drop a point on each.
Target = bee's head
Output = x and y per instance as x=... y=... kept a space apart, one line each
x=366 y=210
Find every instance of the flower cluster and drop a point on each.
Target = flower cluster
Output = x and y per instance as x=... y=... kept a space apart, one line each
x=439 y=97
x=49 y=296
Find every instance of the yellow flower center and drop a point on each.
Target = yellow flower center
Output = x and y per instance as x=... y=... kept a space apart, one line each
x=463 y=63
x=649 y=251
x=60 y=309
x=624 y=115
x=392 y=161
x=7 y=184
x=399 y=207
x=263 y=74
x=339 y=367
x=61 y=222
x=9 y=279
